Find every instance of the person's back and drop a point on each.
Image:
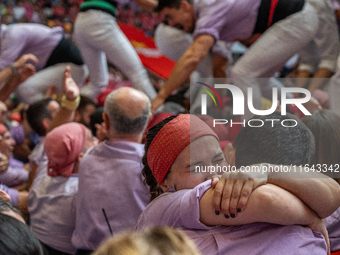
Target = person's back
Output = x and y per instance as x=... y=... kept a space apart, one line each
x=110 y=177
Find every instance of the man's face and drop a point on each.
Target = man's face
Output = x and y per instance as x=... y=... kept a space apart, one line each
x=182 y=18
x=7 y=144
x=84 y=117
x=53 y=107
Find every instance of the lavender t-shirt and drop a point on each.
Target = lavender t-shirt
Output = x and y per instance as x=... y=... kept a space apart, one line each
x=181 y=209
x=226 y=20
x=332 y=224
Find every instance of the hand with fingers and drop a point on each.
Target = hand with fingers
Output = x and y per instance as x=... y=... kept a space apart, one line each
x=4 y=196
x=101 y=132
x=24 y=59
x=233 y=190
x=70 y=87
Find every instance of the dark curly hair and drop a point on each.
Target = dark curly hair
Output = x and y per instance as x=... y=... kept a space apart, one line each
x=150 y=180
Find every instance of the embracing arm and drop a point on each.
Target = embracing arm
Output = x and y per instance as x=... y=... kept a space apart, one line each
x=316 y=190
x=267 y=203
x=184 y=67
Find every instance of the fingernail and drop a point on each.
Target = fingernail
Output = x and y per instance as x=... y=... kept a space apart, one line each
x=238 y=210
x=227 y=216
x=217 y=212
x=232 y=215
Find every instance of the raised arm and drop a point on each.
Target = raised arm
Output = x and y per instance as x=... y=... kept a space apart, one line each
x=69 y=102
x=184 y=67
x=15 y=74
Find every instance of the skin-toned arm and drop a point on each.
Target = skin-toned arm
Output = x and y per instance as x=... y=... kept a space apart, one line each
x=13 y=80
x=71 y=92
x=147 y=4
x=318 y=191
x=268 y=203
x=220 y=66
x=184 y=67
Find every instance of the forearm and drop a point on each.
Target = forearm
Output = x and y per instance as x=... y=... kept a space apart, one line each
x=9 y=87
x=268 y=203
x=220 y=66
x=317 y=191
x=320 y=79
x=187 y=64
x=147 y=4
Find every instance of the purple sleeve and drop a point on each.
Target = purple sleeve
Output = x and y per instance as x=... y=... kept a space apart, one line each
x=17 y=133
x=189 y=207
x=211 y=17
x=13 y=193
x=12 y=45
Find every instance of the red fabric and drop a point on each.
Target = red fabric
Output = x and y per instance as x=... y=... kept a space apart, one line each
x=335 y=253
x=3 y=129
x=146 y=49
x=273 y=5
x=171 y=140
x=223 y=144
x=62 y=147
x=158 y=118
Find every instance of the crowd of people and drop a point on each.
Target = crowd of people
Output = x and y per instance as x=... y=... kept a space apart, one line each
x=89 y=168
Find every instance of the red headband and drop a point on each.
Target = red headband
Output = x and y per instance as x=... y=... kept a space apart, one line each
x=171 y=140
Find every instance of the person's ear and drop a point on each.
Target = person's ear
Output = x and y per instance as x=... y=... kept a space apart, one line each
x=46 y=123
x=229 y=153
x=185 y=5
x=165 y=186
x=106 y=121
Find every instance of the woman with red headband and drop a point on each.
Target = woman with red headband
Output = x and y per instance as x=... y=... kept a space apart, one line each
x=187 y=202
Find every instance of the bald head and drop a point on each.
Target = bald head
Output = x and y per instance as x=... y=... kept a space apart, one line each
x=128 y=110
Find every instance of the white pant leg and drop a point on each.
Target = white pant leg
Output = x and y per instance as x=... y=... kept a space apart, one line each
x=270 y=52
x=334 y=90
x=96 y=33
x=35 y=87
x=325 y=46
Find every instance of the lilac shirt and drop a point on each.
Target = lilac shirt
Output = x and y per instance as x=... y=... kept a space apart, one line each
x=110 y=178
x=226 y=20
x=15 y=174
x=181 y=209
x=13 y=193
x=19 y=39
x=332 y=224
x=52 y=209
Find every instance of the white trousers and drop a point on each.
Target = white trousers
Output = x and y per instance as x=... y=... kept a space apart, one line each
x=270 y=52
x=98 y=36
x=35 y=87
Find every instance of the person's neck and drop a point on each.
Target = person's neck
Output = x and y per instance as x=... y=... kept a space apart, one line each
x=124 y=137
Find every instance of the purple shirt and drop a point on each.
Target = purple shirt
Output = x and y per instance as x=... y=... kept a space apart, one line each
x=332 y=224
x=181 y=209
x=15 y=174
x=110 y=178
x=226 y=20
x=52 y=209
x=13 y=193
x=19 y=39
